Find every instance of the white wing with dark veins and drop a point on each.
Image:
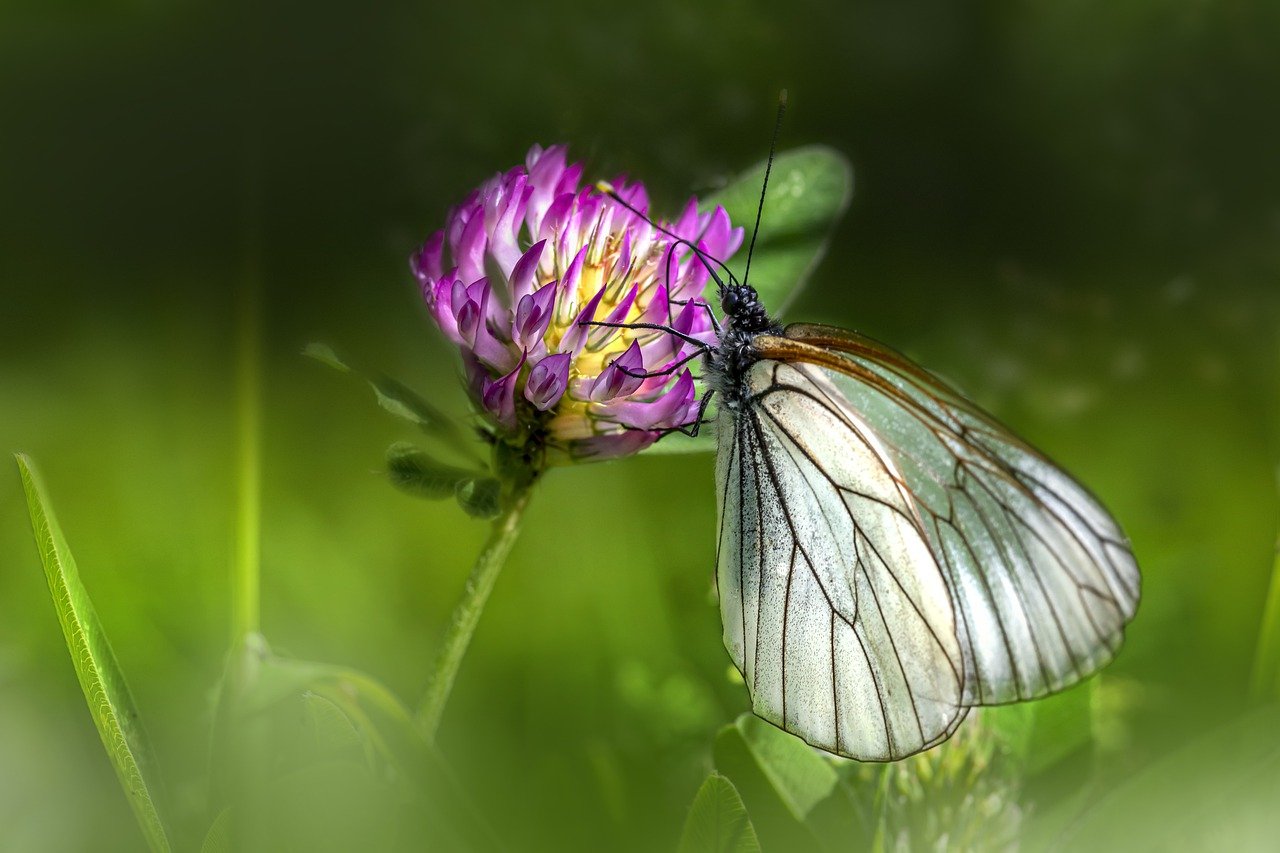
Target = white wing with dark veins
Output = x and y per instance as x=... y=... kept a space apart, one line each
x=834 y=607
x=1042 y=578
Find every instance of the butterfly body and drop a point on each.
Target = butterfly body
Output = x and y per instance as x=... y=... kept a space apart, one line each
x=745 y=319
x=889 y=556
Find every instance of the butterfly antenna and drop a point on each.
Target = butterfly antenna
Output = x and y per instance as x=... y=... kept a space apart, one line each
x=773 y=146
x=607 y=188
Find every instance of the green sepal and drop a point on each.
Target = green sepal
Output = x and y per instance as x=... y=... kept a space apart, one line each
x=480 y=497
x=414 y=471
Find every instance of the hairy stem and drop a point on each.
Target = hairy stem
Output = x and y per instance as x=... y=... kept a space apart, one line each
x=466 y=615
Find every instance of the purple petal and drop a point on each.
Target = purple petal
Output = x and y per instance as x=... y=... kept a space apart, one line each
x=425 y=262
x=569 y=179
x=573 y=277
x=524 y=275
x=616 y=379
x=577 y=335
x=471 y=312
x=440 y=304
x=675 y=408
x=687 y=225
x=533 y=316
x=470 y=306
x=498 y=396
x=600 y=336
x=544 y=176
x=658 y=310
x=717 y=233
x=623 y=263
x=694 y=321
x=612 y=445
x=554 y=222
x=503 y=243
x=459 y=217
x=548 y=380
x=469 y=250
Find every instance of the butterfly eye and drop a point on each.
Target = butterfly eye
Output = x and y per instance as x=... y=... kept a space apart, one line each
x=731 y=301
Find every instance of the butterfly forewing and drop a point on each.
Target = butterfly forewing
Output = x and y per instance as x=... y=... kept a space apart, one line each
x=1041 y=577
x=834 y=606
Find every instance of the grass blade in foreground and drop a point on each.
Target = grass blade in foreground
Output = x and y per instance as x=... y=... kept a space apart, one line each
x=103 y=684
x=718 y=821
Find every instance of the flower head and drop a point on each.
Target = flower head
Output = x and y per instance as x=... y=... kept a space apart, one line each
x=542 y=284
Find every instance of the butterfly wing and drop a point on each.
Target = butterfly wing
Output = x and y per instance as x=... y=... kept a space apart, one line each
x=834 y=608
x=1042 y=578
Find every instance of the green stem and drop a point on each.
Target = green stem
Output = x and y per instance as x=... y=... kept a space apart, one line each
x=466 y=615
x=245 y=571
x=246 y=562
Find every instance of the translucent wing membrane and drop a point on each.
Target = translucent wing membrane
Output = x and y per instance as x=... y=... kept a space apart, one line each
x=1041 y=578
x=833 y=605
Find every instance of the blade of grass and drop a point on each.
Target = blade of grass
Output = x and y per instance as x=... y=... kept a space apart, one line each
x=246 y=568
x=1266 y=657
x=105 y=690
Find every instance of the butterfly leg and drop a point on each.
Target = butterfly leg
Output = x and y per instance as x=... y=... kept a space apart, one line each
x=704 y=348
x=666 y=371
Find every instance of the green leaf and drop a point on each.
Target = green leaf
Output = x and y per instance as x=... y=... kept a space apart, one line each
x=355 y=721
x=1053 y=728
x=809 y=190
x=414 y=471
x=480 y=497
x=782 y=781
x=800 y=776
x=105 y=690
x=718 y=821
x=398 y=399
x=218 y=838
x=1217 y=792
x=324 y=354
x=335 y=733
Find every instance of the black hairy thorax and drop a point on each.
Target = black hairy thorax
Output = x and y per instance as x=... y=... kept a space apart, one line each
x=745 y=319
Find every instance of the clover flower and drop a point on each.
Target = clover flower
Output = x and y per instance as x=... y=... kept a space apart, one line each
x=534 y=263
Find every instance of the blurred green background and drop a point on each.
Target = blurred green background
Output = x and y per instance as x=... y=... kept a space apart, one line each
x=1072 y=209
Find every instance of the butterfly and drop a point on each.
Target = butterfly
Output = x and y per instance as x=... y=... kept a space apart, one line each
x=890 y=556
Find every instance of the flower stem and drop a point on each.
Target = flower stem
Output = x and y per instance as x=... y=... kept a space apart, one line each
x=466 y=614
x=246 y=564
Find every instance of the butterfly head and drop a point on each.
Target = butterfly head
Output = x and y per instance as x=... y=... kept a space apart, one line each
x=741 y=305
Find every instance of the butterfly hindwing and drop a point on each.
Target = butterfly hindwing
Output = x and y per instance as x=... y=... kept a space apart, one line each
x=1042 y=578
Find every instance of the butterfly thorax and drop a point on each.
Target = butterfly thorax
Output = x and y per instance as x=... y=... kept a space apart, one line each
x=745 y=319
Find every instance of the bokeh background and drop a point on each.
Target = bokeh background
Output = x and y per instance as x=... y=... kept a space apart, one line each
x=1070 y=209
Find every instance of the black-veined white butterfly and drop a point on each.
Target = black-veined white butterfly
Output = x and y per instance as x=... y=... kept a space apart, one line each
x=890 y=556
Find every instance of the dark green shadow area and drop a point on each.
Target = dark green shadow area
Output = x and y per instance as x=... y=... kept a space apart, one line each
x=1070 y=210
